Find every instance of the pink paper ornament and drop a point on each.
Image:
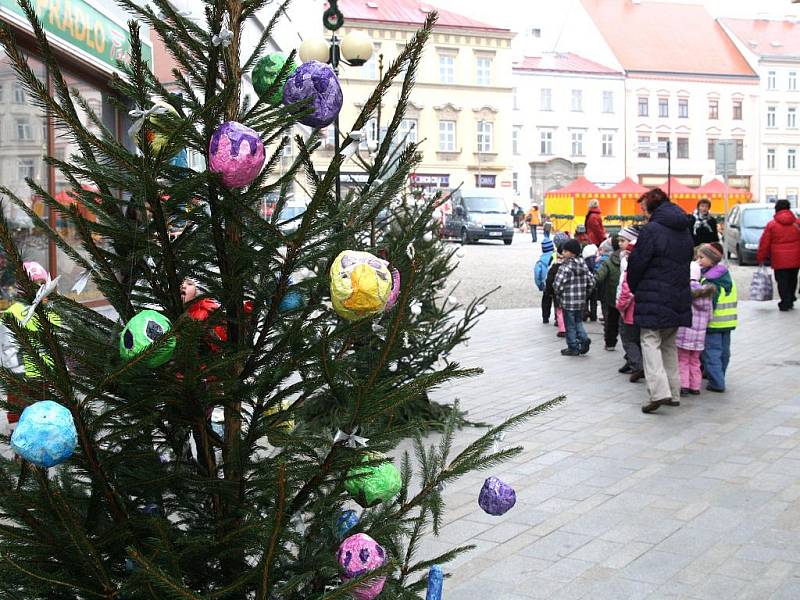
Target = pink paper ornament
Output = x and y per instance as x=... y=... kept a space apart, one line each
x=357 y=555
x=237 y=153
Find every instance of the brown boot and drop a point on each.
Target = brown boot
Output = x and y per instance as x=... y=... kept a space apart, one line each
x=636 y=376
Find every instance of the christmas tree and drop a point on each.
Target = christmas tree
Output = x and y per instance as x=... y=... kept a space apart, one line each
x=166 y=454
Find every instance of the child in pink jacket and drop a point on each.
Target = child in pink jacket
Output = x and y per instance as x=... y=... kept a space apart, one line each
x=691 y=340
x=629 y=332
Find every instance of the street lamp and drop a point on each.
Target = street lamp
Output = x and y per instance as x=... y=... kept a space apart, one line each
x=354 y=49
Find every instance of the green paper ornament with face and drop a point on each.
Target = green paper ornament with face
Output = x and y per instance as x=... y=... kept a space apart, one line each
x=373 y=484
x=141 y=331
x=266 y=72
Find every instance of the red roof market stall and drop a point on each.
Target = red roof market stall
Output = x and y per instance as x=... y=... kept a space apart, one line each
x=629 y=192
x=714 y=190
x=574 y=200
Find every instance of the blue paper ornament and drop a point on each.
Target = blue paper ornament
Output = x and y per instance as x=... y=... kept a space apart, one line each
x=45 y=435
x=292 y=300
x=346 y=521
x=435 y=583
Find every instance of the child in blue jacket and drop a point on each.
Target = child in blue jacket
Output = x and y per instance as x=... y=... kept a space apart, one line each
x=540 y=276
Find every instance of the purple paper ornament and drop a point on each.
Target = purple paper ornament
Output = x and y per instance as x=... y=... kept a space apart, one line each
x=357 y=555
x=496 y=498
x=395 y=293
x=236 y=152
x=317 y=81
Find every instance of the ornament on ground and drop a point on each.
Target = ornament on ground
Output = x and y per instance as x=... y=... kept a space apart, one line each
x=358 y=555
x=237 y=153
x=45 y=434
x=496 y=498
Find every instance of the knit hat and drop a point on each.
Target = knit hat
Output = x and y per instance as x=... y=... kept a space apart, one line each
x=547 y=245
x=710 y=252
x=589 y=250
x=607 y=246
x=572 y=246
x=629 y=233
x=694 y=271
x=580 y=229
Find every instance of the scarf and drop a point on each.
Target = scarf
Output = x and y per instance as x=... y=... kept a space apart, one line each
x=701 y=222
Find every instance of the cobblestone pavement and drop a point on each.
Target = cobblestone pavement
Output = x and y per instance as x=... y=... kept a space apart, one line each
x=488 y=264
x=699 y=501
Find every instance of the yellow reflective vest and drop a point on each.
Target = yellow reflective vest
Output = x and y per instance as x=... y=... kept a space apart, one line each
x=725 y=315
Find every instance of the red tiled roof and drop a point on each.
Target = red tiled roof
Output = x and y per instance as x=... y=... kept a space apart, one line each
x=765 y=37
x=661 y=37
x=563 y=62
x=407 y=12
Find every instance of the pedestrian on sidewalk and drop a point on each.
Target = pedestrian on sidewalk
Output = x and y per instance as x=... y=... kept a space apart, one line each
x=702 y=225
x=780 y=244
x=533 y=221
x=691 y=340
x=572 y=285
x=594 y=223
x=658 y=276
x=717 y=352
x=626 y=306
x=607 y=281
x=540 y=270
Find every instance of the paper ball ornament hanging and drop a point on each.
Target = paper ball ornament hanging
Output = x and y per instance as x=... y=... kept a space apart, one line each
x=346 y=520
x=496 y=498
x=292 y=300
x=142 y=331
x=265 y=74
x=237 y=153
x=372 y=484
x=358 y=555
x=360 y=284
x=316 y=83
x=45 y=435
x=394 y=294
x=158 y=139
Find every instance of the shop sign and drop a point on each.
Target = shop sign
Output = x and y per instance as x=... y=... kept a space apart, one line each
x=435 y=180
x=505 y=184
x=487 y=181
x=349 y=178
x=82 y=26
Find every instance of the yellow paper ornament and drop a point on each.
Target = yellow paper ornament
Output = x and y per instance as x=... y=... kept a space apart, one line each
x=360 y=284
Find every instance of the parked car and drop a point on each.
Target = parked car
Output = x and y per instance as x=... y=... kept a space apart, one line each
x=480 y=214
x=743 y=228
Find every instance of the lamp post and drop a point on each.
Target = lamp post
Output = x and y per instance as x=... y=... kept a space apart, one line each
x=354 y=49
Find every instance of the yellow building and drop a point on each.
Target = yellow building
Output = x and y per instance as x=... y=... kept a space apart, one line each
x=461 y=104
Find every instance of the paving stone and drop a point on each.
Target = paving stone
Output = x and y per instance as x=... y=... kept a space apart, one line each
x=555 y=545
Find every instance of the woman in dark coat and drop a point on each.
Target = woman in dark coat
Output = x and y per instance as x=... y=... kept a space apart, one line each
x=594 y=224
x=658 y=276
x=702 y=225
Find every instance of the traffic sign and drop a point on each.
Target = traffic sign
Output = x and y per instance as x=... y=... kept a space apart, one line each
x=725 y=157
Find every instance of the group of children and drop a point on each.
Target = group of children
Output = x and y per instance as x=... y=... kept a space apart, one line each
x=571 y=275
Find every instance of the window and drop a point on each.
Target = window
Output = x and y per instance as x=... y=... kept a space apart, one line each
x=515 y=98
x=515 y=140
x=644 y=106
x=792 y=81
x=683 y=108
x=683 y=148
x=370 y=134
x=608 y=101
x=370 y=69
x=546 y=141
x=515 y=182
x=771 y=116
x=407 y=131
x=663 y=107
x=577 y=101
x=546 y=99
x=484 y=136
x=577 y=143
x=447 y=136
x=771 y=80
x=737 y=110
x=447 y=68
x=770 y=158
x=607 y=144
x=791 y=117
x=644 y=150
x=711 y=149
x=24 y=131
x=665 y=142
x=25 y=169
x=739 y=149
x=536 y=32
x=791 y=158
x=483 y=75
x=713 y=109
x=19 y=94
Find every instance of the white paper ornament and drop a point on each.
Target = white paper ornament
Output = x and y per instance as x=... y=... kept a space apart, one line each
x=428 y=237
x=416 y=308
x=460 y=253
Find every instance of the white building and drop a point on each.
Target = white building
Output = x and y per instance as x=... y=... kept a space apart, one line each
x=685 y=81
x=568 y=122
x=773 y=50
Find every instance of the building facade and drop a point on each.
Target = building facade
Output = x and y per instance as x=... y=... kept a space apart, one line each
x=568 y=122
x=772 y=48
x=461 y=105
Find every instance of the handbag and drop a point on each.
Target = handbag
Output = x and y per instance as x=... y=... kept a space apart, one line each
x=761 y=286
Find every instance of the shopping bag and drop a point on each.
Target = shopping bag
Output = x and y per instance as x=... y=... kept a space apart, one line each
x=761 y=286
